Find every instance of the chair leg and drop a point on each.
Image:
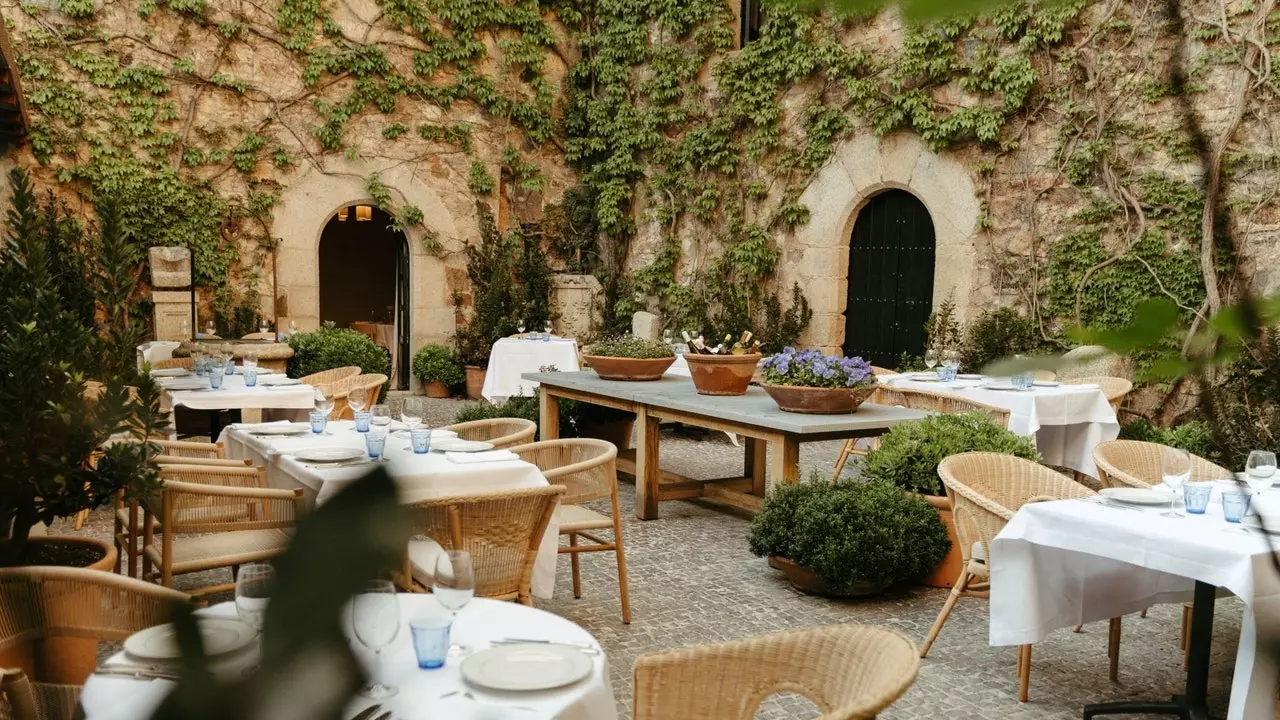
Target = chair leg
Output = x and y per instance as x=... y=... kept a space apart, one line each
x=623 y=593
x=135 y=540
x=1143 y=614
x=1024 y=672
x=1113 y=648
x=845 y=452
x=958 y=588
x=1185 y=639
x=577 y=569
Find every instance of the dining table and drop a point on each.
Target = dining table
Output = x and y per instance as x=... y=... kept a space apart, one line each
x=425 y=694
x=418 y=477
x=511 y=357
x=1066 y=420
x=1064 y=563
x=234 y=395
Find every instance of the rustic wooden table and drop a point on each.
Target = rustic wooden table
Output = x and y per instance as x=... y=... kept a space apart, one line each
x=754 y=416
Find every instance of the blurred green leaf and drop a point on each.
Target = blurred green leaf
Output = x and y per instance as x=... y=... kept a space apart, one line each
x=1153 y=321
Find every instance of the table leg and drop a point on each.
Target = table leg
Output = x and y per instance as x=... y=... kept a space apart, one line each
x=647 y=472
x=754 y=465
x=784 y=466
x=548 y=416
x=1194 y=704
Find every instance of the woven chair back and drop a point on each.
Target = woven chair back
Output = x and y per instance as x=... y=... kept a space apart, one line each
x=1114 y=388
x=501 y=432
x=184 y=363
x=188 y=449
x=930 y=401
x=330 y=376
x=501 y=530
x=187 y=507
x=1134 y=463
x=587 y=468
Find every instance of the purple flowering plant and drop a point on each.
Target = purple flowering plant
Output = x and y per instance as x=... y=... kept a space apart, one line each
x=810 y=368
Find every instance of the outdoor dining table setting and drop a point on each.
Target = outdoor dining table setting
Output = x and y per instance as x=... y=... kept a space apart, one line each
x=511 y=357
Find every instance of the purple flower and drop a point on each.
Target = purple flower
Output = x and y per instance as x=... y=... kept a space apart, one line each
x=783 y=366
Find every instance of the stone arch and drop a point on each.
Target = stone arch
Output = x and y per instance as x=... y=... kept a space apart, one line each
x=818 y=256
x=307 y=203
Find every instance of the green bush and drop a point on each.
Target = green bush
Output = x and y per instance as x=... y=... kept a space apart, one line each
x=329 y=348
x=630 y=346
x=574 y=415
x=520 y=406
x=437 y=363
x=998 y=334
x=1195 y=437
x=850 y=533
x=909 y=453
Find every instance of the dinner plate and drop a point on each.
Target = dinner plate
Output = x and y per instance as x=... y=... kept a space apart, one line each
x=970 y=376
x=1136 y=496
x=192 y=384
x=281 y=429
x=278 y=380
x=170 y=372
x=1002 y=386
x=534 y=666
x=453 y=444
x=925 y=378
x=1046 y=383
x=221 y=636
x=261 y=371
x=329 y=455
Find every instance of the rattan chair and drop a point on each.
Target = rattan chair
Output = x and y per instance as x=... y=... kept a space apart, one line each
x=341 y=389
x=852 y=446
x=325 y=378
x=260 y=336
x=940 y=402
x=39 y=604
x=190 y=449
x=850 y=672
x=184 y=363
x=588 y=470
x=985 y=490
x=501 y=530
x=1134 y=463
x=1114 y=388
x=1044 y=375
x=210 y=526
x=501 y=432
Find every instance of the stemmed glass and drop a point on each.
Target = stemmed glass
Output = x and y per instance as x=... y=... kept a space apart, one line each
x=930 y=358
x=375 y=618
x=454 y=586
x=520 y=328
x=1260 y=471
x=324 y=404
x=1175 y=469
x=546 y=330
x=412 y=410
x=358 y=398
x=254 y=582
x=263 y=326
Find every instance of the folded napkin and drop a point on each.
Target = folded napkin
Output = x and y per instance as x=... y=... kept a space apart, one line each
x=481 y=457
x=250 y=427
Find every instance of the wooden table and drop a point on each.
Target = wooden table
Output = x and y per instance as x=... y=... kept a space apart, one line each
x=754 y=416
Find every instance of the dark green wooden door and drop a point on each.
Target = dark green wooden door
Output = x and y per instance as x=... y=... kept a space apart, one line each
x=891 y=256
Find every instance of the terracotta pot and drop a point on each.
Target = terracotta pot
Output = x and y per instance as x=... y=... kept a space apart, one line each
x=948 y=571
x=617 y=432
x=475 y=381
x=818 y=401
x=806 y=580
x=67 y=660
x=632 y=369
x=721 y=374
x=437 y=389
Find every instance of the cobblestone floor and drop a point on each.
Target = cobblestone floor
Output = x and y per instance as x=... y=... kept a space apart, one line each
x=693 y=581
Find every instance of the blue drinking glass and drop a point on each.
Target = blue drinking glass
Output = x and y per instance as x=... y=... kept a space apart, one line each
x=362 y=421
x=1235 y=505
x=319 y=421
x=1196 y=495
x=215 y=377
x=375 y=441
x=250 y=377
x=430 y=640
x=230 y=367
x=420 y=437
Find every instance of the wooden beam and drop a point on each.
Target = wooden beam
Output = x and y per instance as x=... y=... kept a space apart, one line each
x=647 y=473
x=732 y=498
x=754 y=465
x=548 y=417
x=784 y=466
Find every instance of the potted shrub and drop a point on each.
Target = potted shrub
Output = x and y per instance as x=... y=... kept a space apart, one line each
x=437 y=368
x=848 y=539
x=908 y=458
x=810 y=382
x=330 y=347
x=629 y=358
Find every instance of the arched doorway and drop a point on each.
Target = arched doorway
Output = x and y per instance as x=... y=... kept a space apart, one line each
x=891 y=262
x=364 y=281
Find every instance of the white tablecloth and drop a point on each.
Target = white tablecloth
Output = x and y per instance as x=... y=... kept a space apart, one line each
x=418 y=477
x=512 y=357
x=1059 y=564
x=480 y=622
x=1067 y=421
x=233 y=395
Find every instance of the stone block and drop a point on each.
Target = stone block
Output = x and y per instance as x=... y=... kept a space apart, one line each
x=171 y=314
x=170 y=267
x=826 y=294
x=826 y=330
x=577 y=300
x=825 y=261
x=646 y=325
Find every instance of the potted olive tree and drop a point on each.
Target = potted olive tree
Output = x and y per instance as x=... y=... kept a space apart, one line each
x=848 y=539
x=629 y=358
x=908 y=458
x=438 y=369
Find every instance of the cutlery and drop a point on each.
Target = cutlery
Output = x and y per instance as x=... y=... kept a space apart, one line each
x=1099 y=500
x=327 y=466
x=467 y=694
x=368 y=712
x=586 y=648
x=136 y=672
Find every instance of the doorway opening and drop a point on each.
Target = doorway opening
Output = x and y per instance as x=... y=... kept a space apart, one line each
x=891 y=262
x=364 y=281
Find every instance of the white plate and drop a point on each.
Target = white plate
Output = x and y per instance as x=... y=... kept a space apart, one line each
x=170 y=372
x=221 y=636
x=526 y=667
x=278 y=380
x=281 y=429
x=192 y=384
x=1136 y=496
x=261 y=371
x=970 y=376
x=1001 y=386
x=453 y=444
x=329 y=455
x=925 y=378
x=1047 y=383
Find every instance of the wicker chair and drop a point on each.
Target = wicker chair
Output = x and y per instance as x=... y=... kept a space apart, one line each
x=851 y=446
x=1134 y=463
x=260 y=336
x=588 y=470
x=190 y=449
x=985 y=490
x=1115 y=388
x=1044 y=375
x=501 y=530
x=209 y=526
x=501 y=432
x=38 y=604
x=849 y=671
x=341 y=389
x=325 y=378
x=184 y=363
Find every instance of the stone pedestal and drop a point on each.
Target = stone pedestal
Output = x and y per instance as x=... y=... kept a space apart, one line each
x=578 y=300
x=172 y=308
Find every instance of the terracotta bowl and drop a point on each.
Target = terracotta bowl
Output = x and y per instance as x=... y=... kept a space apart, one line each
x=818 y=401
x=722 y=374
x=634 y=369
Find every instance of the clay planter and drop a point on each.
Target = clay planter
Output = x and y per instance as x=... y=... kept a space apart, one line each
x=818 y=401
x=64 y=659
x=806 y=580
x=948 y=571
x=721 y=374
x=475 y=381
x=633 y=369
x=437 y=389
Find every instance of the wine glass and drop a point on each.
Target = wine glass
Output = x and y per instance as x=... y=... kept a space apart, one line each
x=546 y=330
x=1260 y=471
x=324 y=404
x=293 y=327
x=263 y=326
x=380 y=415
x=1175 y=469
x=358 y=398
x=253 y=590
x=375 y=618
x=666 y=337
x=454 y=586
x=412 y=410
x=930 y=358
x=208 y=331
x=520 y=328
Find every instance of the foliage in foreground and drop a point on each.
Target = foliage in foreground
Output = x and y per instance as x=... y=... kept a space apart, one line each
x=909 y=453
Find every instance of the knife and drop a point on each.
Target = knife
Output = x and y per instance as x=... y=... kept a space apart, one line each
x=586 y=648
x=137 y=673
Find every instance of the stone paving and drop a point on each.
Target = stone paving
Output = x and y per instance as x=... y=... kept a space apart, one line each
x=693 y=581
